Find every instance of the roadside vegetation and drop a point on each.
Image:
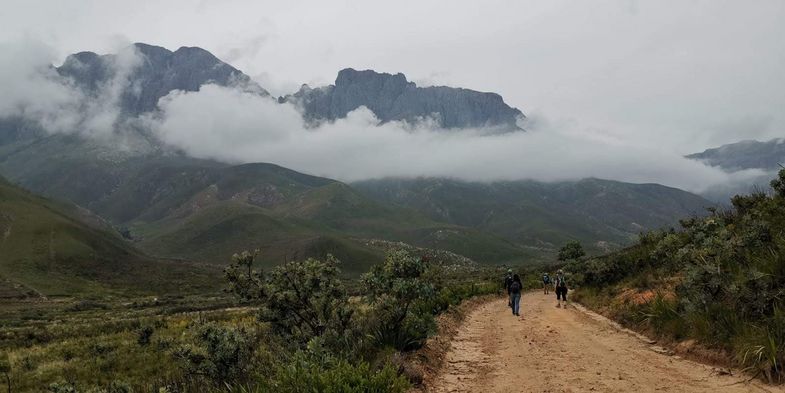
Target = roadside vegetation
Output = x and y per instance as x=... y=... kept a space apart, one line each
x=719 y=281
x=298 y=327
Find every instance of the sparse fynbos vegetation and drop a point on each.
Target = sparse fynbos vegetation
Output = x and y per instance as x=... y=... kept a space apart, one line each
x=296 y=328
x=720 y=280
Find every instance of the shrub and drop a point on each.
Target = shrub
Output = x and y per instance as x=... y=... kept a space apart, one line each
x=144 y=335
x=396 y=290
x=220 y=355
x=571 y=251
x=662 y=315
x=306 y=373
x=300 y=299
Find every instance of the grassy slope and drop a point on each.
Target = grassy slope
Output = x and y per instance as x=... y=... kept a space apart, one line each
x=542 y=214
x=288 y=215
x=46 y=249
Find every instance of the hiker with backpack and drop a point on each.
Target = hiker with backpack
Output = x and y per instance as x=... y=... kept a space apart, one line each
x=515 y=294
x=546 y=282
x=507 y=282
x=560 y=284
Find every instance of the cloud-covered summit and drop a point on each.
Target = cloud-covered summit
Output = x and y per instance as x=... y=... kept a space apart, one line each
x=156 y=73
x=393 y=98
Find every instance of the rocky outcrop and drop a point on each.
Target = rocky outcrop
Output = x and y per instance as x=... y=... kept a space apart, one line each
x=392 y=97
x=148 y=72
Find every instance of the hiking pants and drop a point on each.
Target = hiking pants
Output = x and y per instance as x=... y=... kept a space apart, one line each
x=516 y=303
x=561 y=293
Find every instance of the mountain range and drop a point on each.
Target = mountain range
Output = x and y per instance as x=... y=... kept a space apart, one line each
x=172 y=207
x=747 y=154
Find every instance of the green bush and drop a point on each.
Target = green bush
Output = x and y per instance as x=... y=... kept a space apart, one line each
x=221 y=355
x=144 y=335
x=300 y=300
x=329 y=375
x=397 y=291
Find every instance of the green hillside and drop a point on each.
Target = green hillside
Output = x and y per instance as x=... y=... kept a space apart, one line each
x=202 y=210
x=176 y=206
x=208 y=214
x=52 y=249
x=718 y=281
x=601 y=213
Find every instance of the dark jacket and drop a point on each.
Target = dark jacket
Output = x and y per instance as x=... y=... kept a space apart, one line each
x=520 y=285
x=507 y=282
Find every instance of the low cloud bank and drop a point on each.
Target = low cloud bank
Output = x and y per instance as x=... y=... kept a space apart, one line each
x=225 y=124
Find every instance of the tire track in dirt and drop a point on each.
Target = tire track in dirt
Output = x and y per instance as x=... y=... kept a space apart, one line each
x=554 y=350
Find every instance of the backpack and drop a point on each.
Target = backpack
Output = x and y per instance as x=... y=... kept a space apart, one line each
x=546 y=278
x=515 y=287
x=507 y=282
x=561 y=282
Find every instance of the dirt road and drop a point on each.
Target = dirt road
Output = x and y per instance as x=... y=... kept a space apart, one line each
x=553 y=349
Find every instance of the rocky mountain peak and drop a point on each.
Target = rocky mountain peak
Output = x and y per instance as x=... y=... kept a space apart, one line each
x=157 y=72
x=392 y=97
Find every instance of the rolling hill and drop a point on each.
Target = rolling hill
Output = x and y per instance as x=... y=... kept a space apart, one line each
x=49 y=248
x=206 y=213
x=601 y=213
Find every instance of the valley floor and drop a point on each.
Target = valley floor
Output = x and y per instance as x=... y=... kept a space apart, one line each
x=553 y=349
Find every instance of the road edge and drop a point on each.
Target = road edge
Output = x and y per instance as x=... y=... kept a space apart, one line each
x=429 y=360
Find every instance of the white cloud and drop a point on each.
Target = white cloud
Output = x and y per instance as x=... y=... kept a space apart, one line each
x=229 y=125
x=32 y=89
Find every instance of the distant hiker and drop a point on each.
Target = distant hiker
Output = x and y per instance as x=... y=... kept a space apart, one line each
x=560 y=285
x=546 y=282
x=507 y=282
x=515 y=294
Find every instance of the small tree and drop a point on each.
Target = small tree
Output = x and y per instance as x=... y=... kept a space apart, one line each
x=245 y=282
x=300 y=299
x=573 y=250
x=394 y=288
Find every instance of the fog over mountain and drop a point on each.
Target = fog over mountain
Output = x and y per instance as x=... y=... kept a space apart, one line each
x=211 y=115
x=656 y=81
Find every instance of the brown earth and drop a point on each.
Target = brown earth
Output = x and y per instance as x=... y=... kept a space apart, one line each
x=553 y=349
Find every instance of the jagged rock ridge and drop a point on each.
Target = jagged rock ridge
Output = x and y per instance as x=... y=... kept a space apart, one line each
x=392 y=97
x=154 y=73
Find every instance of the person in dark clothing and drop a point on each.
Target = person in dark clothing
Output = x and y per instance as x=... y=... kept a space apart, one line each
x=560 y=285
x=507 y=282
x=515 y=294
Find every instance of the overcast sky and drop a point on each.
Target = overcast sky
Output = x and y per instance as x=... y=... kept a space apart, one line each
x=689 y=74
x=617 y=89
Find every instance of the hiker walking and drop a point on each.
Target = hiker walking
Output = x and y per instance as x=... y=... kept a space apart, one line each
x=507 y=282
x=546 y=282
x=515 y=294
x=560 y=285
